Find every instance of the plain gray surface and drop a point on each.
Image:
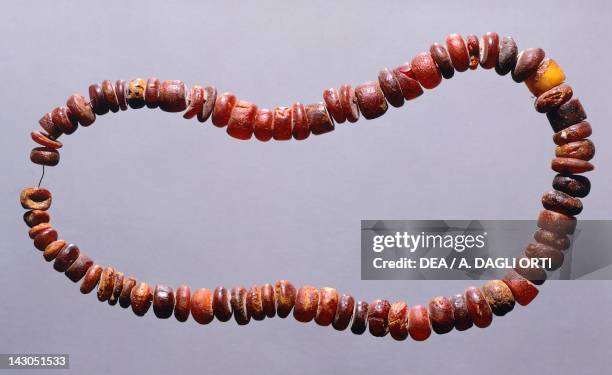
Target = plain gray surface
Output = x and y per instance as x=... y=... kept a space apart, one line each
x=173 y=201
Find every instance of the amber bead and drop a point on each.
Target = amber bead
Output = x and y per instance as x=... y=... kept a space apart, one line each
x=173 y=96
x=141 y=296
x=306 y=304
x=53 y=249
x=64 y=119
x=461 y=316
x=97 y=100
x=556 y=222
x=223 y=109
x=328 y=304
x=523 y=290
x=574 y=185
x=573 y=133
x=570 y=166
x=163 y=302
x=45 y=156
x=38 y=229
x=110 y=97
x=584 y=150
x=548 y=75
x=443 y=60
x=319 y=121
x=299 y=122
x=506 y=60
x=553 y=98
x=419 y=326
x=201 y=306
x=478 y=307
x=44 y=238
x=126 y=290
x=378 y=314
x=242 y=120
x=92 y=276
x=554 y=257
x=457 y=50
x=559 y=242
x=281 y=123
x=135 y=93
x=348 y=101
x=425 y=70
x=398 y=320
x=371 y=100
x=411 y=88
x=35 y=217
x=120 y=91
x=79 y=268
x=390 y=86
x=489 y=50
x=151 y=94
x=473 y=46
x=441 y=314
x=499 y=297
x=238 y=301
x=183 y=303
x=222 y=306
x=35 y=198
x=344 y=312
x=268 y=301
x=46 y=123
x=530 y=271
x=527 y=63
x=333 y=105
x=254 y=304
x=360 y=318
x=106 y=284
x=561 y=202
x=81 y=110
x=45 y=141
x=117 y=286
x=210 y=98
x=196 y=102
x=262 y=128
x=285 y=294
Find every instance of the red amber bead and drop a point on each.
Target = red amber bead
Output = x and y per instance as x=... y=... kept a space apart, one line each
x=334 y=107
x=238 y=301
x=574 y=185
x=319 y=121
x=349 y=102
x=66 y=258
x=527 y=63
x=306 y=304
x=126 y=290
x=567 y=114
x=473 y=47
x=391 y=87
x=371 y=100
x=411 y=88
x=182 y=306
x=173 y=96
x=196 y=102
x=441 y=315
x=328 y=304
x=489 y=50
x=201 y=306
x=163 y=301
x=443 y=60
x=573 y=133
x=419 y=327
x=92 y=276
x=78 y=269
x=222 y=305
x=35 y=217
x=64 y=120
x=281 y=123
x=242 y=120
x=108 y=90
x=398 y=320
x=378 y=313
x=223 y=109
x=44 y=238
x=425 y=70
x=151 y=95
x=523 y=290
x=344 y=312
x=117 y=286
x=209 y=103
x=360 y=319
x=254 y=303
x=120 y=91
x=81 y=110
x=97 y=100
x=299 y=122
x=570 y=166
x=506 y=60
x=141 y=297
x=46 y=123
x=284 y=293
x=45 y=141
x=106 y=284
x=45 y=156
x=262 y=127
x=457 y=49
x=478 y=307
x=268 y=301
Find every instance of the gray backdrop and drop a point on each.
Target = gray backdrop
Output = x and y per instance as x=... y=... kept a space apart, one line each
x=173 y=201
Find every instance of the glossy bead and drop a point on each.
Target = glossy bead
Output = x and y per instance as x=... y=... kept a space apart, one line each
x=553 y=98
x=425 y=70
x=117 y=286
x=238 y=301
x=378 y=313
x=141 y=297
x=584 y=150
x=556 y=222
x=242 y=120
x=570 y=166
x=45 y=156
x=81 y=110
x=458 y=52
x=163 y=301
x=46 y=123
x=573 y=133
x=183 y=303
x=53 y=249
x=522 y=289
x=574 y=185
x=223 y=109
x=201 y=306
x=108 y=91
x=319 y=121
x=299 y=122
x=106 y=284
x=554 y=257
x=333 y=105
x=441 y=315
x=419 y=326
x=506 y=60
x=120 y=91
x=306 y=304
x=328 y=304
x=489 y=50
x=210 y=98
x=284 y=293
x=63 y=118
x=97 y=100
x=443 y=60
x=398 y=320
x=390 y=87
x=78 y=269
x=151 y=95
x=348 y=101
x=35 y=217
x=92 y=276
x=281 y=123
x=43 y=140
x=548 y=75
x=499 y=297
x=360 y=318
x=36 y=198
x=254 y=303
x=559 y=242
x=135 y=93
x=411 y=88
x=36 y=230
x=173 y=96
x=268 y=301
x=530 y=271
x=477 y=307
x=561 y=202
x=344 y=312
x=473 y=46
x=222 y=306
x=262 y=128
x=371 y=100
x=196 y=102
x=527 y=63
x=66 y=257
x=126 y=290
x=44 y=238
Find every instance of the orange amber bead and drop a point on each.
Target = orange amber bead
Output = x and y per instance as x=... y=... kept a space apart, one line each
x=548 y=75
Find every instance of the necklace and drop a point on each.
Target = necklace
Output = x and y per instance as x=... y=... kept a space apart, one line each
x=474 y=307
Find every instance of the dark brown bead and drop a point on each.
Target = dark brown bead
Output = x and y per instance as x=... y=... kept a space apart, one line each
x=461 y=316
x=210 y=98
x=45 y=156
x=360 y=318
x=81 y=110
x=556 y=222
x=441 y=315
x=110 y=97
x=506 y=60
x=398 y=320
x=328 y=304
x=443 y=60
x=573 y=133
x=567 y=114
x=319 y=121
x=151 y=95
x=92 y=276
x=37 y=229
x=553 y=98
x=223 y=109
x=411 y=88
x=36 y=198
x=285 y=294
x=378 y=314
x=196 y=102
x=473 y=46
x=527 y=63
x=333 y=105
x=141 y=296
x=242 y=120
x=238 y=301
x=97 y=101
x=344 y=312
x=120 y=91
x=499 y=297
x=35 y=217
x=262 y=128
x=79 y=268
x=390 y=86
x=135 y=93
x=570 y=165
x=126 y=290
x=425 y=70
x=559 y=242
x=478 y=307
x=530 y=270
x=173 y=96
x=299 y=122
x=281 y=123
x=63 y=118
x=561 y=202
x=371 y=100
x=46 y=123
x=584 y=150
x=267 y=300
x=44 y=238
x=201 y=306
x=45 y=141
x=53 y=249
x=254 y=304
x=106 y=284
x=348 y=101
x=163 y=301
x=306 y=304
x=522 y=289
x=117 y=286
x=457 y=49
x=183 y=303
x=222 y=305
x=489 y=50
x=419 y=326
x=574 y=185
x=554 y=257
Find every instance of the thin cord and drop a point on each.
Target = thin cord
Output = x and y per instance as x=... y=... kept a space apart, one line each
x=42 y=176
